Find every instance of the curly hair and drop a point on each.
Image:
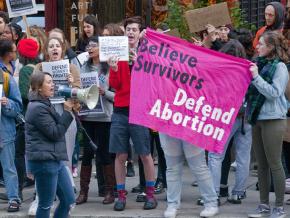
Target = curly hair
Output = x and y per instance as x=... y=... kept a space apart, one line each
x=279 y=45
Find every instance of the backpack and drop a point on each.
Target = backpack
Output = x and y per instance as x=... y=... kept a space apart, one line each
x=4 y=80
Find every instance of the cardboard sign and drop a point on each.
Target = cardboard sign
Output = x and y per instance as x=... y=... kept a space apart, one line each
x=217 y=15
x=18 y=8
x=114 y=46
x=59 y=71
x=188 y=92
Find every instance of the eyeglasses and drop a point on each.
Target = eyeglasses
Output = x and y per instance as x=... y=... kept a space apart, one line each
x=92 y=45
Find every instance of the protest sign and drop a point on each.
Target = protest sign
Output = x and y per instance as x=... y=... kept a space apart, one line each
x=83 y=57
x=114 y=46
x=217 y=15
x=188 y=92
x=59 y=71
x=88 y=79
x=20 y=7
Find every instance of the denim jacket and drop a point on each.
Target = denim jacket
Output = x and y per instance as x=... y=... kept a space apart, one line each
x=275 y=105
x=9 y=112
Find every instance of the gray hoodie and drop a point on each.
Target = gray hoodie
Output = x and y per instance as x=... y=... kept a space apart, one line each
x=107 y=99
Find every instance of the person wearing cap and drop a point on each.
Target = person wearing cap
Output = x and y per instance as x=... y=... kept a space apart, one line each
x=28 y=52
x=274 y=17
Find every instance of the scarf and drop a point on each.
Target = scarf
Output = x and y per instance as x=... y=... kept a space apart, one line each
x=254 y=98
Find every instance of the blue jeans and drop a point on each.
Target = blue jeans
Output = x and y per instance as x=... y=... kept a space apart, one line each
x=175 y=151
x=242 y=145
x=7 y=156
x=52 y=179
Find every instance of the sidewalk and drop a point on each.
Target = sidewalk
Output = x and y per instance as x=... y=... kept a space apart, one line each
x=95 y=209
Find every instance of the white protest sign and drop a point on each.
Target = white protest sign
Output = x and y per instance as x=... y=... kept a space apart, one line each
x=114 y=46
x=59 y=71
x=83 y=57
x=18 y=8
x=88 y=79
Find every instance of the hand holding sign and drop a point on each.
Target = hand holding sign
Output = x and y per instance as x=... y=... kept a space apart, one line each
x=113 y=62
x=70 y=79
x=113 y=46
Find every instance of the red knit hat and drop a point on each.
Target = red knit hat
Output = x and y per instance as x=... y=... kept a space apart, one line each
x=28 y=48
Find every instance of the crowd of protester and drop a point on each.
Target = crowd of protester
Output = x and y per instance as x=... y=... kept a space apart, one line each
x=41 y=134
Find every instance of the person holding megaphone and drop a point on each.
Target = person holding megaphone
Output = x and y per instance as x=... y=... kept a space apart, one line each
x=97 y=123
x=45 y=147
x=55 y=50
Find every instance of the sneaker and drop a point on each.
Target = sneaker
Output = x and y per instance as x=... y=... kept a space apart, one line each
x=278 y=212
x=33 y=207
x=120 y=205
x=209 y=211
x=75 y=172
x=234 y=199
x=141 y=197
x=263 y=210
x=13 y=206
x=150 y=204
x=158 y=188
x=170 y=212
x=200 y=201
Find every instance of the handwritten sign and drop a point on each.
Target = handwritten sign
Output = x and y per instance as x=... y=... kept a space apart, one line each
x=217 y=15
x=18 y=8
x=88 y=79
x=114 y=46
x=59 y=71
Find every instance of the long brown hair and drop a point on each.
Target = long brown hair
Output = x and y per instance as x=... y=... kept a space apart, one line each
x=279 y=45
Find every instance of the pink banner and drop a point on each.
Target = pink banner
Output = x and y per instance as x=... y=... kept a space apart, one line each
x=186 y=91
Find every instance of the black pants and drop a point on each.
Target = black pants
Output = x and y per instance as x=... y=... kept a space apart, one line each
x=100 y=135
x=20 y=155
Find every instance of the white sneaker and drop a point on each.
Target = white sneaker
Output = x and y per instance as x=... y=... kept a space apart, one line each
x=33 y=207
x=170 y=212
x=209 y=211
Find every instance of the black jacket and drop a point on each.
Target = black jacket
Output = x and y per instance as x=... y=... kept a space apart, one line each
x=45 y=130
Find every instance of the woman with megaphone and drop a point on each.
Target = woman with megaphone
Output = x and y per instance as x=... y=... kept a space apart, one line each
x=45 y=147
x=55 y=50
x=97 y=123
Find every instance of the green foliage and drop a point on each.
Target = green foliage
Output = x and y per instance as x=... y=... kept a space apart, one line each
x=176 y=20
x=238 y=18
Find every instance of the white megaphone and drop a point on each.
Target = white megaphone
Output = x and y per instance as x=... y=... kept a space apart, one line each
x=88 y=96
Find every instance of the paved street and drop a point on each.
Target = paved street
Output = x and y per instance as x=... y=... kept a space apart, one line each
x=94 y=207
